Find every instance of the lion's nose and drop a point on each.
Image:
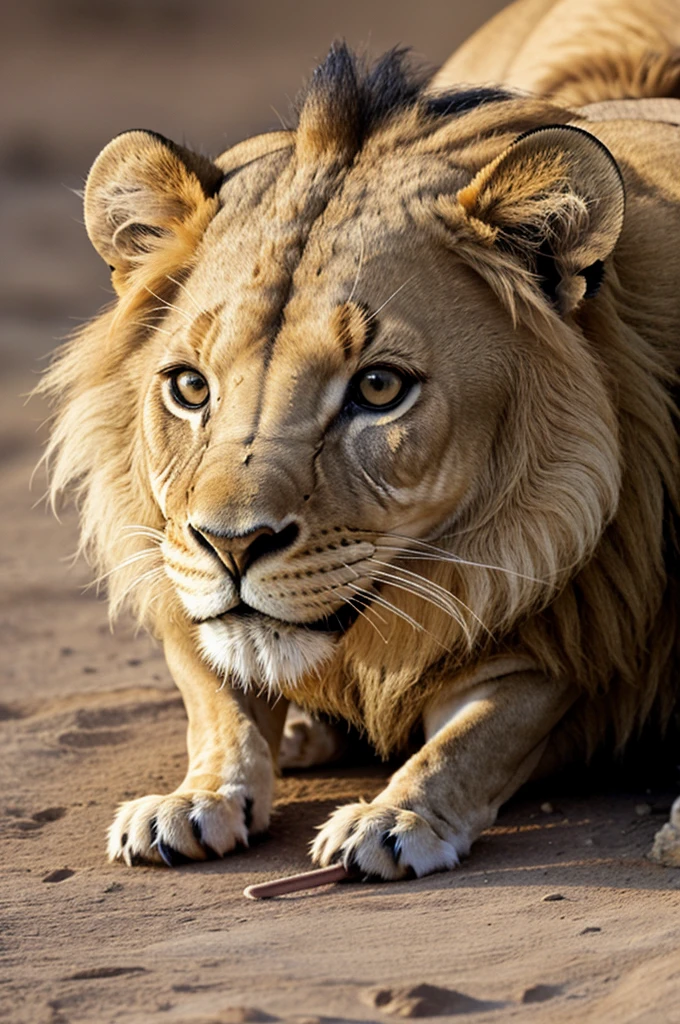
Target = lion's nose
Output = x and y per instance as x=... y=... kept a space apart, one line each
x=238 y=551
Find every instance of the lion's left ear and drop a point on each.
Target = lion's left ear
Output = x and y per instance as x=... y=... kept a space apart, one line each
x=147 y=202
x=554 y=199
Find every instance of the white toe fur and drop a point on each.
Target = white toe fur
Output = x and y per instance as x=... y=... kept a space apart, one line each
x=385 y=841
x=193 y=825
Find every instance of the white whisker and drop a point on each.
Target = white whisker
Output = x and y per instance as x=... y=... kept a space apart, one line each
x=418 y=590
x=147 y=536
x=169 y=305
x=157 y=572
x=138 y=556
x=442 y=554
x=387 y=605
x=280 y=119
x=399 y=612
x=363 y=614
x=392 y=296
x=151 y=531
x=357 y=576
x=445 y=594
x=150 y=327
x=188 y=294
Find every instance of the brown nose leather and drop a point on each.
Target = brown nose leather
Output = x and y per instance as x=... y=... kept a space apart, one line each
x=238 y=552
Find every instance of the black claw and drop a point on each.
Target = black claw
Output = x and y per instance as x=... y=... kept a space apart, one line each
x=136 y=860
x=124 y=839
x=355 y=873
x=153 y=830
x=248 y=812
x=389 y=841
x=173 y=858
x=210 y=854
x=348 y=860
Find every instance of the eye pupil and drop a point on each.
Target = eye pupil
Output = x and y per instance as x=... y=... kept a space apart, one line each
x=380 y=387
x=189 y=389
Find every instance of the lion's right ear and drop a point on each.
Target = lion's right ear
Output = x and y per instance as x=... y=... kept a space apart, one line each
x=146 y=195
x=554 y=201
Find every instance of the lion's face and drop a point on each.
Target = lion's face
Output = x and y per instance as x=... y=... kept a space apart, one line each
x=298 y=433
x=341 y=344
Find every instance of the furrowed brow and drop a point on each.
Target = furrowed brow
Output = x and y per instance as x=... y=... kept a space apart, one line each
x=354 y=328
x=204 y=331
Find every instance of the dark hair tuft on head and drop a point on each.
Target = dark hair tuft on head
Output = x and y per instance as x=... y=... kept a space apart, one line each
x=450 y=104
x=392 y=84
x=345 y=100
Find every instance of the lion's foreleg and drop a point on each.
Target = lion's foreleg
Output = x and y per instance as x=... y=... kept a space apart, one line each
x=227 y=792
x=437 y=804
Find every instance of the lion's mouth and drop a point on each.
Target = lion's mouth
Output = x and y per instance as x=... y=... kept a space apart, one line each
x=336 y=622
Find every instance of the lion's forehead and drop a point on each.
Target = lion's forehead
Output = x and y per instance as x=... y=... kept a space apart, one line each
x=274 y=282
x=301 y=224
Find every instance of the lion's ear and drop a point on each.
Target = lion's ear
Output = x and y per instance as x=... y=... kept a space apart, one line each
x=145 y=194
x=554 y=199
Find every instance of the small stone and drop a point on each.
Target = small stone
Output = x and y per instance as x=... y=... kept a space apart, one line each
x=553 y=897
x=642 y=810
x=590 y=929
x=666 y=848
x=95 y=973
x=49 y=814
x=60 y=875
x=408 y=1001
x=589 y=842
x=547 y=808
x=539 y=993
x=675 y=813
x=244 y=1015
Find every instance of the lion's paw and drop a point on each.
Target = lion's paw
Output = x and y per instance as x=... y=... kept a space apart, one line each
x=383 y=842
x=307 y=741
x=181 y=827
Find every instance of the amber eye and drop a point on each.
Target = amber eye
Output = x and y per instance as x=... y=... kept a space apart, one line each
x=380 y=387
x=189 y=389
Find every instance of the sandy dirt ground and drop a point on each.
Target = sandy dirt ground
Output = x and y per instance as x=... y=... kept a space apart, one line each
x=557 y=916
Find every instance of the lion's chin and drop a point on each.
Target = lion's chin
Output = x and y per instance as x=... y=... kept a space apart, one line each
x=258 y=651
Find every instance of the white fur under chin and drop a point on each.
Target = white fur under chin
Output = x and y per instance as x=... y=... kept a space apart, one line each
x=262 y=652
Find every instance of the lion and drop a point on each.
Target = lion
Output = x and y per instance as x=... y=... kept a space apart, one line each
x=383 y=423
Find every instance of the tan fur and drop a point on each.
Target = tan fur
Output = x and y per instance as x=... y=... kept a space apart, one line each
x=532 y=484
x=574 y=51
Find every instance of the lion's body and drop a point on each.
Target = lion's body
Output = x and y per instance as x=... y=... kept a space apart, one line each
x=573 y=51
x=530 y=475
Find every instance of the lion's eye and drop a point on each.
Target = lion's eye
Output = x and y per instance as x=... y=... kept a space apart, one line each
x=380 y=387
x=189 y=389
